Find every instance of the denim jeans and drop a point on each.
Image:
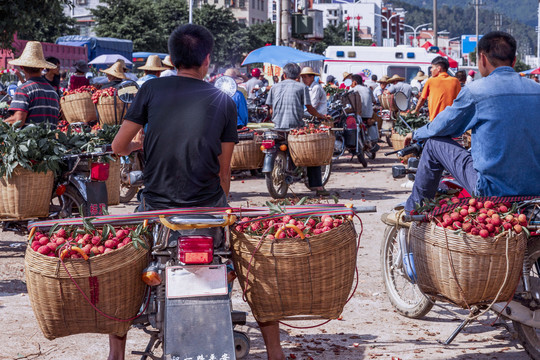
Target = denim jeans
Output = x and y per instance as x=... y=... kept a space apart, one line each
x=441 y=153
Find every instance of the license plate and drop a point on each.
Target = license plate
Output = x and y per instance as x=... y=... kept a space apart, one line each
x=196 y=280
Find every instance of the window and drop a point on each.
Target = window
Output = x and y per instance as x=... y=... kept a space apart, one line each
x=351 y=54
x=407 y=72
x=81 y=2
x=253 y=4
x=242 y=21
x=242 y=5
x=274 y=6
x=399 y=55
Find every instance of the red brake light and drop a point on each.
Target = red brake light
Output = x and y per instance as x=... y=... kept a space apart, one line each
x=99 y=171
x=268 y=144
x=61 y=189
x=195 y=249
x=351 y=123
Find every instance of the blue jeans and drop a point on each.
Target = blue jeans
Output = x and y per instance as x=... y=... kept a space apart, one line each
x=441 y=153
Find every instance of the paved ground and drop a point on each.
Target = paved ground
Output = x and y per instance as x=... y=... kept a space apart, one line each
x=369 y=320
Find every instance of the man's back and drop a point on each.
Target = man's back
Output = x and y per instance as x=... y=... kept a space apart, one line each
x=367 y=100
x=250 y=85
x=441 y=91
x=188 y=119
x=501 y=111
x=287 y=99
x=38 y=99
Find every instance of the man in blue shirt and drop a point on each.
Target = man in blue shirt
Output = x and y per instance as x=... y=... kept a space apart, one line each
x=501 y=110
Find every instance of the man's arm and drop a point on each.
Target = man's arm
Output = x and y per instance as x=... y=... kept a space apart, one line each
x=122 y=143
x=17 y=116
x=225 y=166
x=452 y=121
x=419 y=105
x=312 y=111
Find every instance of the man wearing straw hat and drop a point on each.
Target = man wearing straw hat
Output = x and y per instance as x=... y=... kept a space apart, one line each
x=152 y=69
x=115 y=74
x=35 y=101
x=317 y=94
x=397 y=84
x=419 y=80
x=383 y=83
x=171 y=71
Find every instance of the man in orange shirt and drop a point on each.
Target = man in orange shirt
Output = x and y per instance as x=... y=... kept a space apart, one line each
x=441 y=88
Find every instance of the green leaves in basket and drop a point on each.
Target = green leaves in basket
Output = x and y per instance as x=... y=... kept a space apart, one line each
x=414 y=121
x=274 y=208
x=302 y=201
x=53 y=229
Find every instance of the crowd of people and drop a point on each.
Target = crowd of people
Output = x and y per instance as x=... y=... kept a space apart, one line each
x=196 y=170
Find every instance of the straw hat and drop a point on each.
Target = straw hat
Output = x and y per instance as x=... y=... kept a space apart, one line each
x=167 y=61
x=420 y=76
x=384 y=79
x=32 y=56
x=116 y=70
x=153 y=63
x=396 y=78
x=346 y=75
x=309 y=71
x=236 y=75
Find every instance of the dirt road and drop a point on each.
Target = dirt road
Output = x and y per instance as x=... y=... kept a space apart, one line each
x=370 y=328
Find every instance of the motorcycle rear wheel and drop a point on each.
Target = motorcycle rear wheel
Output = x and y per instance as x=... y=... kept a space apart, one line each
x=67 y=205
x=529 y=336
x=275 y=180
x=404 y=296
x=127 y=191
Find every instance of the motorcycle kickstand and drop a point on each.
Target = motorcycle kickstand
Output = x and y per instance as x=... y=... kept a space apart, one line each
x=148 y=351
x=464 y=323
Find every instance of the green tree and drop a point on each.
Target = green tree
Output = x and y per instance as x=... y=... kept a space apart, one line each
x=337 y=35
x=521 y=66
x=33 y=20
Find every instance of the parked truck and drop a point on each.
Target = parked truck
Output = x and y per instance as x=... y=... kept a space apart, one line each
x=99 y=45
x=65 y=53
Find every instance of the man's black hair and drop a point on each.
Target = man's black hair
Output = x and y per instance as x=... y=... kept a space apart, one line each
x=461 y=76
x=189 y=45
x=357 y=78
x=499 y=48
x=374 y=77
x=53 y=60
x=442 y=62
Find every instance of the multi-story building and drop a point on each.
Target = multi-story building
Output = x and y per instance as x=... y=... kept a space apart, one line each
x=80 y=11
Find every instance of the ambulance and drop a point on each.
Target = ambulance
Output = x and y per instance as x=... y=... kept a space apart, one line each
x=402 y=60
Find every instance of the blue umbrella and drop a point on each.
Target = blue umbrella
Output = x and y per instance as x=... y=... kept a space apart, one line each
x=280 y=56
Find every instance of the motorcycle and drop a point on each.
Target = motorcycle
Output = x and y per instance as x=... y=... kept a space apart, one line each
x=257 y=110
x=278 y=167
x=351 y=133
x=131 y=180
x=405 y=296
x=188 y=306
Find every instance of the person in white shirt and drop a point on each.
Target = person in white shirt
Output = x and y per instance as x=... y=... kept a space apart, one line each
x=317 y=94
x=367 y=109
x=470 y=76
x=371 y=83
x=171 y=71
x=380 y=89
x=419 y=80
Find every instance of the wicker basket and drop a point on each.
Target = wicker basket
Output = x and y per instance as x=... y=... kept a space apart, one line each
x=480 y=264
x=247 y=155
x=78 y=108
x=311 y=149
x=294 y=277
x=387 y=102
x=398 y=143
x=26 y=194
x=113 y=183
x=106 y=110
x=112 y=281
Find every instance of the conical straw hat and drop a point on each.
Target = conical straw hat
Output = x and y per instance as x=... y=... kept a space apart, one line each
x=153 y=63
x=116 y=70
x=32 y=56
x=167 y=61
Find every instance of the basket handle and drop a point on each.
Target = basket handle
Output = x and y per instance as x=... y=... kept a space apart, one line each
x=290 y=226
x=74 y=248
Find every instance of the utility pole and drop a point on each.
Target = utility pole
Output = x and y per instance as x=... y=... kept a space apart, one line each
x=538 y=38
x=477 y=5
x=285 y=21
x=435 y=39
x=278 y=22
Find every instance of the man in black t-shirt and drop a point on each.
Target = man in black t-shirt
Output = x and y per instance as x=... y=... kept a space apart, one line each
x=189 y=138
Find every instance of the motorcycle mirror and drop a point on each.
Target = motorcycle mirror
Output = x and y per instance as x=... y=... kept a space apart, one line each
x=127 y=91
x=263 y=89
x=227 y=85
x=348 y=82
x=11 y=89
x=347 y=107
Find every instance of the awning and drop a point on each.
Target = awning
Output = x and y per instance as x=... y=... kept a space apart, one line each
x=453 y=63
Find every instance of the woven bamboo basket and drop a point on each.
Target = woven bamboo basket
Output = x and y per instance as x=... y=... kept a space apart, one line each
x=26 y=194
x=294 y=277
x=387 y=102
x=398 y=143
x=112 y=281
x=247 y=155
x=78 y=108
x=113 y=183
x=311 y=149
x=106 y=110
x=480 y=264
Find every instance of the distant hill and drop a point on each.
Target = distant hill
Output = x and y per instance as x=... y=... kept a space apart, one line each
x=460 y=20
x=525 y=11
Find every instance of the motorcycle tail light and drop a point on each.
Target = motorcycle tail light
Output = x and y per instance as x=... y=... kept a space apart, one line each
x=99 y=171
x=351 y=123
x=268 y=144
x=151 y=278
x=60 y=190
x=195 y=249
x=283 y=147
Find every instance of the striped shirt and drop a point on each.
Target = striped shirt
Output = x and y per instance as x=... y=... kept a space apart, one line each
x=38 y=99
x=287 y=99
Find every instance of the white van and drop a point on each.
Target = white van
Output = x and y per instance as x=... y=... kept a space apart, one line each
x=402 y=60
